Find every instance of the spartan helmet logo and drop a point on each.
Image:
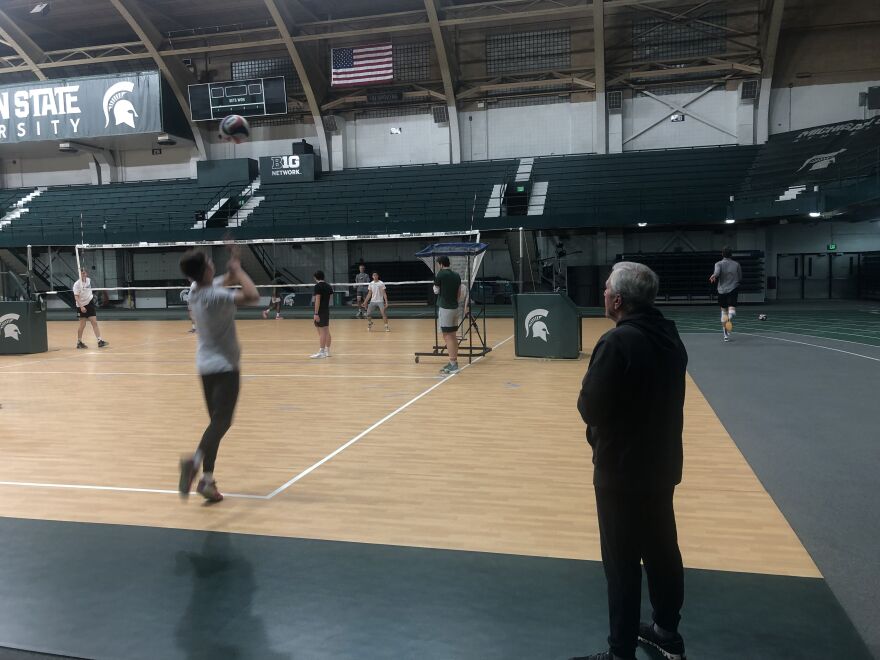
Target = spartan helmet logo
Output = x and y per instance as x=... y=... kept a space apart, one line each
x=123 y=109
x=289 y=299
x=184 y=295
x=535 y=326
x=10 y=330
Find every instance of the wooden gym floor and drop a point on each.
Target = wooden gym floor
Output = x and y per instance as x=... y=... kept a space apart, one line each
x=366 y=447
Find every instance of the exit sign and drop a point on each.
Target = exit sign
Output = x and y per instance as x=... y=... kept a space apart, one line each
x=832 y=247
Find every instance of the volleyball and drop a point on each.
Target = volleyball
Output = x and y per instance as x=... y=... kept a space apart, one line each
x=234 y=128
x=762 y=317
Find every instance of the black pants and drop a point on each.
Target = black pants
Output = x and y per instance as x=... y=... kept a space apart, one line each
x=221 y=394
x=639 y=526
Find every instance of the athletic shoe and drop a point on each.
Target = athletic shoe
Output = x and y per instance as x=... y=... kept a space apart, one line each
x=370 y=326
x=449 y=369
x=671 y=648
x=188 y=472
x=387 y=329
x=726 y=338
x=209 y=491
x=602 y=655
x=102 y=343
x=265 y=313
x=319 y=355
x=192 y=330
x=79 y=344
x=278 y=317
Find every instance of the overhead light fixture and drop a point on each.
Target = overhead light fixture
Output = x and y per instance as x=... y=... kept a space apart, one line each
x=729 y=221
x=815 y=214
x=643 y=224
x=41 y=8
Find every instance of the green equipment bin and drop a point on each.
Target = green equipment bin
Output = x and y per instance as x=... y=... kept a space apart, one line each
x=22 y=327
x=548 y=325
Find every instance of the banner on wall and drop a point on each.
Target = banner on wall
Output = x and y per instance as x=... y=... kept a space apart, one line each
x=76 y=108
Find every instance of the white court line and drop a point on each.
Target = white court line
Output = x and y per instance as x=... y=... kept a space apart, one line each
x=712 y=331
x=803 y=343
x=195 y=375
x=372 y=428
x=28 y=484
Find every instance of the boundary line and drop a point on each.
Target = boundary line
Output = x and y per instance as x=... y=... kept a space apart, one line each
x=121 y=489
x=283 y=487
x=804 y=343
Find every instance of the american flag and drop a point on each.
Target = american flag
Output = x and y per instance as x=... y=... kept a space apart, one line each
x=362 y=65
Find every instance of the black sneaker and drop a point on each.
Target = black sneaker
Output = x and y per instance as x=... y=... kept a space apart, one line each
x=602 y=655
x=671 y=648
x=79 y=344
x=188 y=472
x=102 y=344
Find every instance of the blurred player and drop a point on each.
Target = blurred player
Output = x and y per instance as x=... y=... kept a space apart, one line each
x=377 y=298
x=728 y=275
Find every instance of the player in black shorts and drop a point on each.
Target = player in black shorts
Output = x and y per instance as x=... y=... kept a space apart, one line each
x=85 y=309
x=323 y=293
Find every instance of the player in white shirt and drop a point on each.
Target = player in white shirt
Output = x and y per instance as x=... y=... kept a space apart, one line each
x=85 y=308
x=377 y=298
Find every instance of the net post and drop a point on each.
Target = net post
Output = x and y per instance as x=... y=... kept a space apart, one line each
x=76 y=249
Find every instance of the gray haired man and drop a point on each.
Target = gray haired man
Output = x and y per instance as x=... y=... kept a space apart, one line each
x=632 y=399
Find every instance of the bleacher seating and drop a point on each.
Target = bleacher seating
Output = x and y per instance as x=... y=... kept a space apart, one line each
x=668 y=186
x=828 y=167
x=399 y=199
x=113 y=212
x=684 y=276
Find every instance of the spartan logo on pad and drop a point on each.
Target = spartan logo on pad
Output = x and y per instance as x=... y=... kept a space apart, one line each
x=8 y=327
x=116 y=103
x=535 y=326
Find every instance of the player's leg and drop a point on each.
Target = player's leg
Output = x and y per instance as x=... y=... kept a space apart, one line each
x=359 y=313
x=191 y=320
x=224 y=395
x=369 y=315
x=94 y=321
x=448 y=319
x=277 y=308
x=320 y=352
x=383 y=307
x=79 y=332
x=327 y=339
x=731 y=314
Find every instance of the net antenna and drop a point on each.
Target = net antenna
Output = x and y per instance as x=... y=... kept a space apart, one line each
x=466 y=259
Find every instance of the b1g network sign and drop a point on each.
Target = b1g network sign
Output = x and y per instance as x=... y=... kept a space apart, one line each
x=292 y=167
x=72 y=108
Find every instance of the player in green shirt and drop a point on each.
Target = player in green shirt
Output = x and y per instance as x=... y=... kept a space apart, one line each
x=447 y=286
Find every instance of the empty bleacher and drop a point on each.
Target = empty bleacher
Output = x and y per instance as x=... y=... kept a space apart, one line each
x=387 y=199
x=110 y=213
x=668 y=186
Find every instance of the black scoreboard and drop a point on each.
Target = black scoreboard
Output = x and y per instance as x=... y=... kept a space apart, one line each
x=248 y=98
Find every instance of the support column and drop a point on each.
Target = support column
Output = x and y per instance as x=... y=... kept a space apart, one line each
x=763 y=119
x=601 y=114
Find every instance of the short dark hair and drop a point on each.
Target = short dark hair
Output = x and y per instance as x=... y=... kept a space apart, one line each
x=726 y=252
x=193 y=264
x=443 y=260
x=318 y=274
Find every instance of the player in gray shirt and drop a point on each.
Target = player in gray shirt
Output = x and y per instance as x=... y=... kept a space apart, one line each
x=727 y=275
x=361 y=280
x=218 y=356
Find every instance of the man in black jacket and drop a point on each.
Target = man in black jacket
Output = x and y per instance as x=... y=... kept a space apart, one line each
x=632 y=399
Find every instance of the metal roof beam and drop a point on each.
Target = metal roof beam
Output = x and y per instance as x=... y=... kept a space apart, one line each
x=176 y=75
x=448 y=83
x=302 y=73
x=30 y=53
x=770 y=44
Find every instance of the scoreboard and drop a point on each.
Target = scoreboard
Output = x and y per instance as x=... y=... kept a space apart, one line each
x=248 y=98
